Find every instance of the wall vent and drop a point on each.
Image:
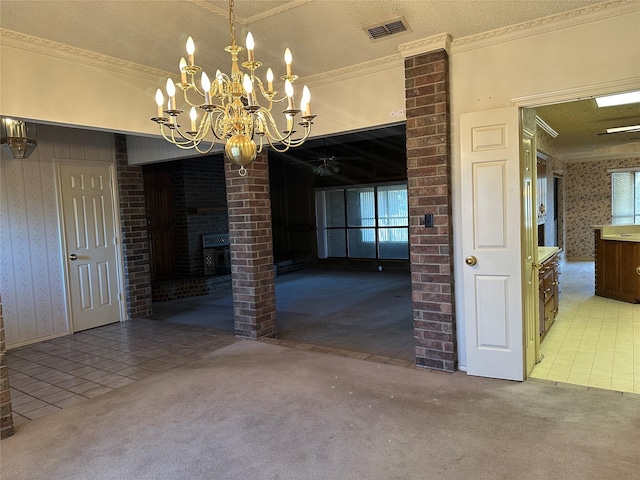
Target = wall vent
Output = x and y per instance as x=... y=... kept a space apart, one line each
x=390 y=27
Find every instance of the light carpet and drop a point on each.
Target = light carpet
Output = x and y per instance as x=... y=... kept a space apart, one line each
x=259 y=411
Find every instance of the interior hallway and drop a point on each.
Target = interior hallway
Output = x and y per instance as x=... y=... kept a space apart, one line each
x=594 y=341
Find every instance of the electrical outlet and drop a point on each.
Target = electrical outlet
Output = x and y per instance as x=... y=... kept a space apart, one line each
x=428 y=219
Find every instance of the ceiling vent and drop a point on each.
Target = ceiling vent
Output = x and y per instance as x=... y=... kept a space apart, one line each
x=390 y=27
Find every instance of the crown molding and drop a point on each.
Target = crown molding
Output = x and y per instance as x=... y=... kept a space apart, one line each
x=578 y=93
x=78 y=55
x=539 y=26
x=625 y=150
x=430 y=44
x=353 y=71
x=546 y=127
x=224 y=12
x=274 y=11
x=601 y=156
x=426 y=45
x=541 y=155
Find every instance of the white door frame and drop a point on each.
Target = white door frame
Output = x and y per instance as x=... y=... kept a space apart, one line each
x=529 y=239
x=117 y=230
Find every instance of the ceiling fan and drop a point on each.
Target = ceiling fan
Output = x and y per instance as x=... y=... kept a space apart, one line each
x=327 y=166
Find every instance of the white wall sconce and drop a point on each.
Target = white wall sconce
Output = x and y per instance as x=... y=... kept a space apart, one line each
x=18 y=138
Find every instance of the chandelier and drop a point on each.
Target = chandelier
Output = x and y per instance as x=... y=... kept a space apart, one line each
x=235 y=108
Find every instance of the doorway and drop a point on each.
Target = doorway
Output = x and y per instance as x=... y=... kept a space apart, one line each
x=591 y=341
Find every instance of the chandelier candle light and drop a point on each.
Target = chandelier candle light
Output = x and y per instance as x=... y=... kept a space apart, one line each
x=231 y=108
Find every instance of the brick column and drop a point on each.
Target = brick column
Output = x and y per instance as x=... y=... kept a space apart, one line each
x=133 y=221
x=252 y=276
x=429 y=189
x=6 y=416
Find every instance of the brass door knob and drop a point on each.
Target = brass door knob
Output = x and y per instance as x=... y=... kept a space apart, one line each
x=73 y=257
x=638 y=269
x=471 y=260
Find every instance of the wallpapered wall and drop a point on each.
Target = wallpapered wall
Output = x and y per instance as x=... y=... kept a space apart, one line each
x=31 y=276
x=588 y=201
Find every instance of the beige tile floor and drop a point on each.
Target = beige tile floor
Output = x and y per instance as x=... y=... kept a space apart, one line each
x=48 y=376
x=593 y=341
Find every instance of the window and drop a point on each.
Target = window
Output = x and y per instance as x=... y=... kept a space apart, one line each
x=625 y=196
x=363 y=222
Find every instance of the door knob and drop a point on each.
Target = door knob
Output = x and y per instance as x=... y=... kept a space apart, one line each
x=73 y=257
x=638 y=269
x=471 y=260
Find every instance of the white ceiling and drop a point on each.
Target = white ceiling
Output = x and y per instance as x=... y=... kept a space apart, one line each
x=324 y=35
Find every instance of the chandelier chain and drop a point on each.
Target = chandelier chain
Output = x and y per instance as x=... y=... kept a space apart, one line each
x=232 y=23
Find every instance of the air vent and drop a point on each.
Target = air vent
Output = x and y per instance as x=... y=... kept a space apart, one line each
x=391 y=27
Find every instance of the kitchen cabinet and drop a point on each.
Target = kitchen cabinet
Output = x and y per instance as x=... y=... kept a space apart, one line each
x=549 y=289
x=618 y=266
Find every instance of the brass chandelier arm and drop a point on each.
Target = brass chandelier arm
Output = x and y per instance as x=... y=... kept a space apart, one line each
x=186 y=95
x=208 y=150
x=187 y=144
x=184 y=145
x=269 y=96
x=284 y=146
x=281 y=143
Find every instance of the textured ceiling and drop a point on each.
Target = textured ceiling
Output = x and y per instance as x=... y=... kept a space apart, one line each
x=581 y=126
x=324 y=35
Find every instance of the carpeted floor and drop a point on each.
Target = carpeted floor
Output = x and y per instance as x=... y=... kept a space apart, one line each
x=367 y=312
x=260 y=411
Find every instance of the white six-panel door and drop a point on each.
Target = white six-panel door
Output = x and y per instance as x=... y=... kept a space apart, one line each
x=90 y=244
x=491 y=199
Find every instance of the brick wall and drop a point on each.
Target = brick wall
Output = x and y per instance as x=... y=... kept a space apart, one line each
x=199 y=208
x=133 y=222
x=428 y=173
x=166 y=290
x=252 y=275
x=6 y=417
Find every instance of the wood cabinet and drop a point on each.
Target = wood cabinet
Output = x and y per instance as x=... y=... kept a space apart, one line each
x=617 y=263
x=549 y=284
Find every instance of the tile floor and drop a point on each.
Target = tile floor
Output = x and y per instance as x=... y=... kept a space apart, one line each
x=593 y=341
x=55 y=374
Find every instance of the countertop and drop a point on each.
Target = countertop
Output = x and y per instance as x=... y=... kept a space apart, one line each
x=621 y=233
x=544 y=253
